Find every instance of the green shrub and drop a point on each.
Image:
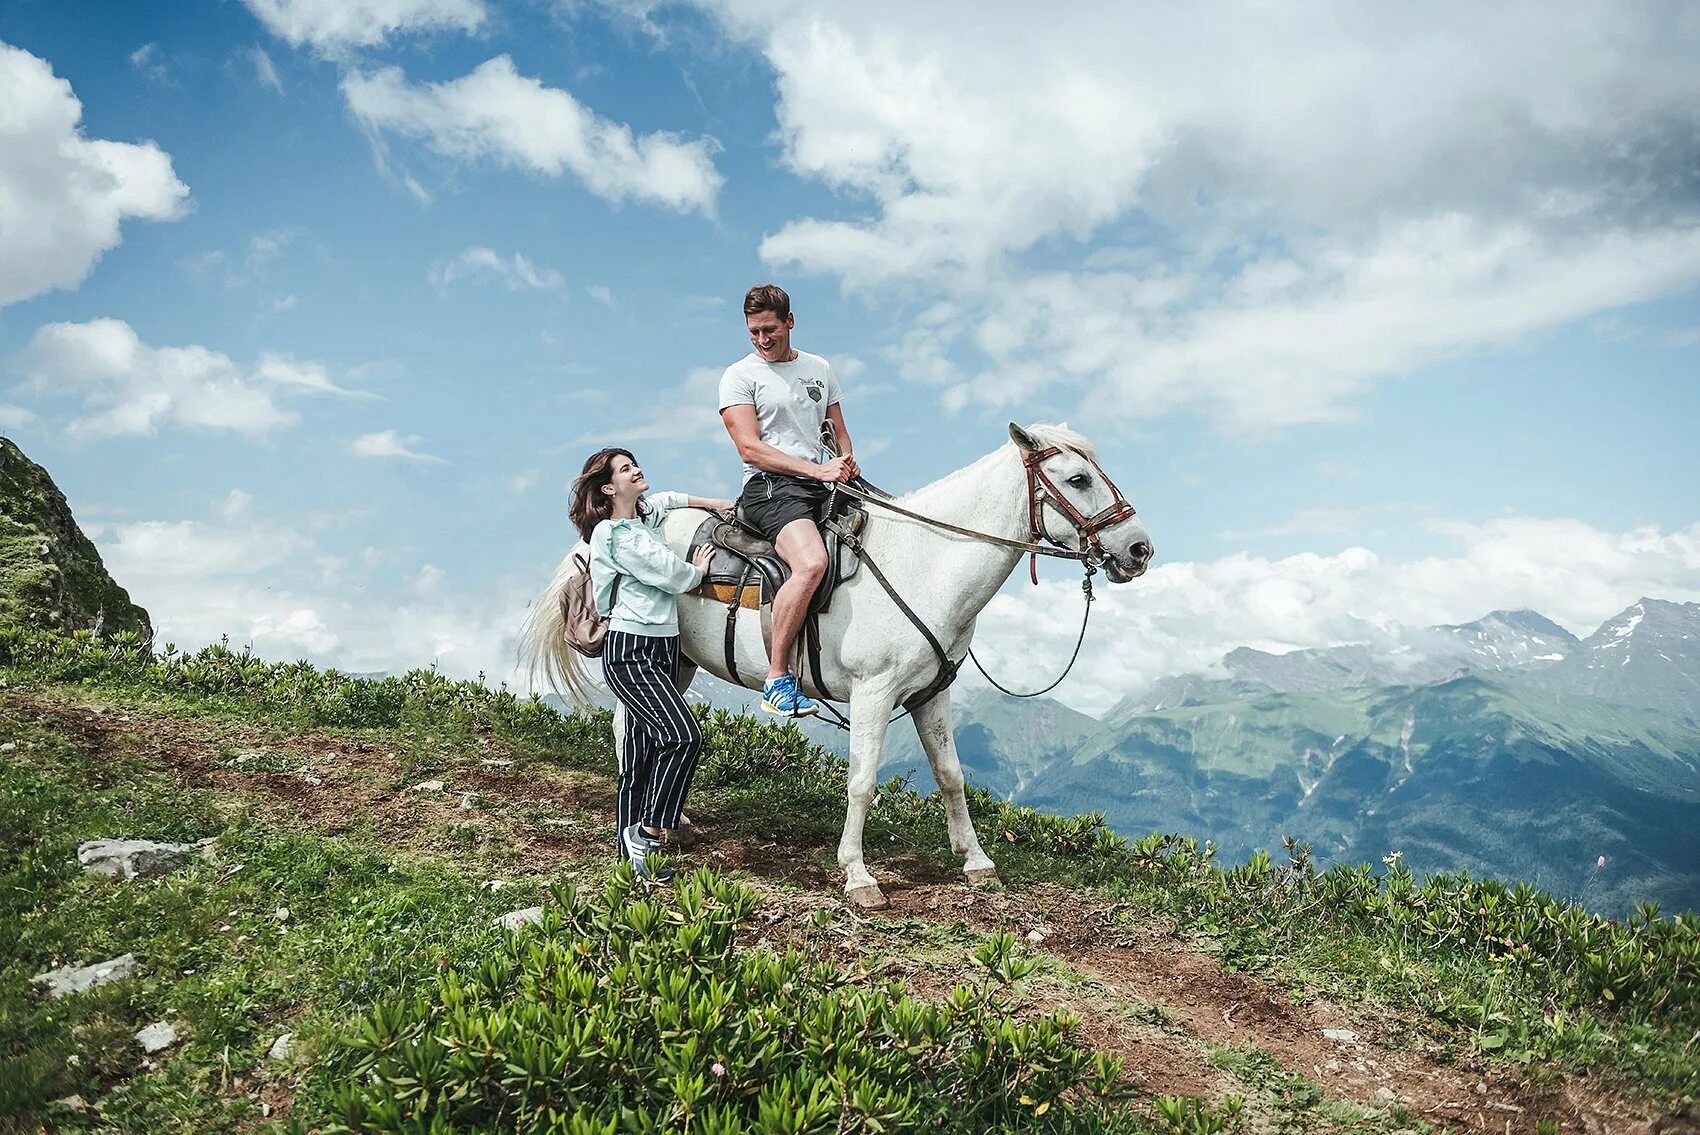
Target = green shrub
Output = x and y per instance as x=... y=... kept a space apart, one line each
x=636 y=1010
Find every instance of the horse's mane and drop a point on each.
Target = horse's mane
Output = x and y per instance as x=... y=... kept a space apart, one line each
x=1042 y=432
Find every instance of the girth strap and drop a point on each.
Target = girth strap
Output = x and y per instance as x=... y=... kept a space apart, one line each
x=732 y=606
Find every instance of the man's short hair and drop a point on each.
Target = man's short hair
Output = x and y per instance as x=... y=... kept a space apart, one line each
x=767 y=297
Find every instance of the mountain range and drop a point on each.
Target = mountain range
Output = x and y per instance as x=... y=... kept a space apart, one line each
x=1505 y=746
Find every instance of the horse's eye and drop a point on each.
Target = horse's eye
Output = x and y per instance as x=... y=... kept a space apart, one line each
x=1080 y=480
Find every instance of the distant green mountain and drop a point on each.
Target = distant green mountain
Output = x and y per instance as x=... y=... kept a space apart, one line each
x=1493 y=776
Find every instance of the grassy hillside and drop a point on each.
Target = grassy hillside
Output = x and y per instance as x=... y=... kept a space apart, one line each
x=366 y=833
x=50 y=573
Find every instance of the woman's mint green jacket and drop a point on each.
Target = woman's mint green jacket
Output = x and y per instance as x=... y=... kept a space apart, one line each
x=651 y=576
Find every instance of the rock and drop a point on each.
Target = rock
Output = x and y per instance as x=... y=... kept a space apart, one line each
x=1038 y=934
x=73 y=979
x=1332 y=1066
x=515 y=919
x=8 y=746
x=426 y=786
x=1387 y=1094
x=1346 y=1035
x=76 y=1105
x=282 y=1048
x=281 y=914
x=157 y=1037
x=134 y=858
x=495 y=762
x=468 y=801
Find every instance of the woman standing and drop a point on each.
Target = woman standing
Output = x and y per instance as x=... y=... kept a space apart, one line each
x=637 y=580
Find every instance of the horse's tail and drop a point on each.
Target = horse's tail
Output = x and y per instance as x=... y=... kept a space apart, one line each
x=543 y=644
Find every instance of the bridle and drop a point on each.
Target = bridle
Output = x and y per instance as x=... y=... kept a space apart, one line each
x=1041 y=490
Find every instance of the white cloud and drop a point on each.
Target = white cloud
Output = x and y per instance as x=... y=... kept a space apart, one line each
x=486 y=265
x=128 y=387
x=13 y=417
x=149 y=62
x=64 y=194
x=495 y=113
x=265 y=70
x=601 y=293
x=332 y=26
x=1182 y=617
x=684 y=414
x=1257 y=213
x=389 y=443
x=238 y=577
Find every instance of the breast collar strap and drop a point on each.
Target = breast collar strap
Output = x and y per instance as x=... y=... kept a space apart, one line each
x=1041 y=489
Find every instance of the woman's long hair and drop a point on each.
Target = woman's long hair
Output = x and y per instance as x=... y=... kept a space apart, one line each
x=590 y=504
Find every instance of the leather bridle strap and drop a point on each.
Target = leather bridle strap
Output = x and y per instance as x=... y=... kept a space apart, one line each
x=1041 y=489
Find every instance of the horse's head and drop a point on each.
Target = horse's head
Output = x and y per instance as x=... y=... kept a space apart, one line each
x=1074 y=504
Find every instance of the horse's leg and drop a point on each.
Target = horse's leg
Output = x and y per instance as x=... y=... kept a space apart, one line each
x=870 y=709
x=932 y=725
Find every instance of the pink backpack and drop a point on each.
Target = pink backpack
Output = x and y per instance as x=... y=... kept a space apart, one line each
x=582 y=625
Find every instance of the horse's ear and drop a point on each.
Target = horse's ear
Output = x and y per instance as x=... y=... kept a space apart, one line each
x=1022 y=438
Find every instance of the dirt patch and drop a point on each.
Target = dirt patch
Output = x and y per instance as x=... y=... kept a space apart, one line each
x=335 y=783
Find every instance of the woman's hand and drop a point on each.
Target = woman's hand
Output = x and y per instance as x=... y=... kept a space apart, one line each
x=701 y=557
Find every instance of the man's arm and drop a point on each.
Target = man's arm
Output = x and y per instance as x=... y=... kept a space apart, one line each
x=741 y=423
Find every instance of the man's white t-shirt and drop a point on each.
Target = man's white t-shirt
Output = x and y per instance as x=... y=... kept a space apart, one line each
x=790 y=400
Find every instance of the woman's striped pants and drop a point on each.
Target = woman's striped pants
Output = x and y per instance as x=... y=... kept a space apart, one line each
x=663 y=739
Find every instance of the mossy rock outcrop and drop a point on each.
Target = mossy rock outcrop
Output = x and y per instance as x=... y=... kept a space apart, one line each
x=50 y=573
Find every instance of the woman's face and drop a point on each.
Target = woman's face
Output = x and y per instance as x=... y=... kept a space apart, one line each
x=625 y=481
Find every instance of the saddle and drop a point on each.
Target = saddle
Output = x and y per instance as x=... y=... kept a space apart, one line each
x=746 y=571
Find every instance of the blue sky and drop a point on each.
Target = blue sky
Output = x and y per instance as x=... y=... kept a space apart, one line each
x=1378 y=318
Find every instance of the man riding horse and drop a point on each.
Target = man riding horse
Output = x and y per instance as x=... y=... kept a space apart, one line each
x=774 y=402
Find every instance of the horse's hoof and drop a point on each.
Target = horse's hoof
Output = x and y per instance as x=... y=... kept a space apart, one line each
x=868 y=898
x=981 y=875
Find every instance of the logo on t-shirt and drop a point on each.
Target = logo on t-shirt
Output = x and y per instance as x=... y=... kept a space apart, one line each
x=815 y=389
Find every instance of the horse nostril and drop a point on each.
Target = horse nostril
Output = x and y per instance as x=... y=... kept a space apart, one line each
x=1140 y=552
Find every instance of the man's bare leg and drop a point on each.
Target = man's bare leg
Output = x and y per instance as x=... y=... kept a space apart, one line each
x=800 y=546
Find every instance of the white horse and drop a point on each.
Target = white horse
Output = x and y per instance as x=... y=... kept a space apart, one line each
x=1045 y=484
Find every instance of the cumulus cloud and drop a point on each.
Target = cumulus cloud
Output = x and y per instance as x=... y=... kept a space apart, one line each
x=243 y=577
x=496 y=114
x=333 y=26
x=1256 y=213
x=486 y=265
x=65 y=195
x=1182 y=617
x=389 y=443
x=127 y=387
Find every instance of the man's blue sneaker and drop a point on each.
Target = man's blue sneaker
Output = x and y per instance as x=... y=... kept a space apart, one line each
x=781 y=696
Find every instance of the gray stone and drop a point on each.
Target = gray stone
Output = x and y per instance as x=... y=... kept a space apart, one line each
x=157 y=1037
x=1386 y=1094
x=74 y=979
x=74 y=1104
x=1346 y=1035
x=282 y=1048
x=426 y=786
x=514 y=919
x=134 y=858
